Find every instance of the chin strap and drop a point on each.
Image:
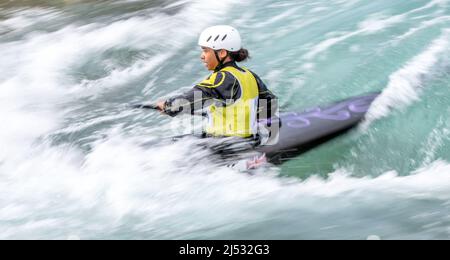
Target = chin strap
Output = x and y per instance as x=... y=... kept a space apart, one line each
x=220 y=60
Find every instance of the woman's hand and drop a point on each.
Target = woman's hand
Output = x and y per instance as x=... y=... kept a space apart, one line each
x=161 y=105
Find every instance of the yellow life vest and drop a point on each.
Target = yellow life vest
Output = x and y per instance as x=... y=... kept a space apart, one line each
x=240 y=117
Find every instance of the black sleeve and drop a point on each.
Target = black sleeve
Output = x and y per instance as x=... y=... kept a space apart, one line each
x=219 y=86
x=268 y=102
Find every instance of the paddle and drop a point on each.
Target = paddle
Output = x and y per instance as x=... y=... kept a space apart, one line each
x=145 y=106
x=155 y=107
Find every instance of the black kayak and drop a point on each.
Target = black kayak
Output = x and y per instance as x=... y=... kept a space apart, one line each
x=302 y=131
x=297 y=133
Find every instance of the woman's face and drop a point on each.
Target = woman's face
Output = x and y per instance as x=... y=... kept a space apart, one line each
x=209 y=58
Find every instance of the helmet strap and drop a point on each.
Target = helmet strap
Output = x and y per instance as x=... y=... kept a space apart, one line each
x=218 y=58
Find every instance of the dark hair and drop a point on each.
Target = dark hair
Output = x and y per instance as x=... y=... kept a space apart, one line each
x=240 y=55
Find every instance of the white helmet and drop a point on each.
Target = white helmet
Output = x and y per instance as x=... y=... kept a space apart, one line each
x=221 y=37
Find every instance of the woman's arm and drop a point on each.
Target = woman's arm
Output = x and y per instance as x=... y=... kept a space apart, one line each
x=268 y=102
x=220 y=86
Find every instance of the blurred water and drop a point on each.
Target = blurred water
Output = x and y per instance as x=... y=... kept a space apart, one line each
x=72 y=163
